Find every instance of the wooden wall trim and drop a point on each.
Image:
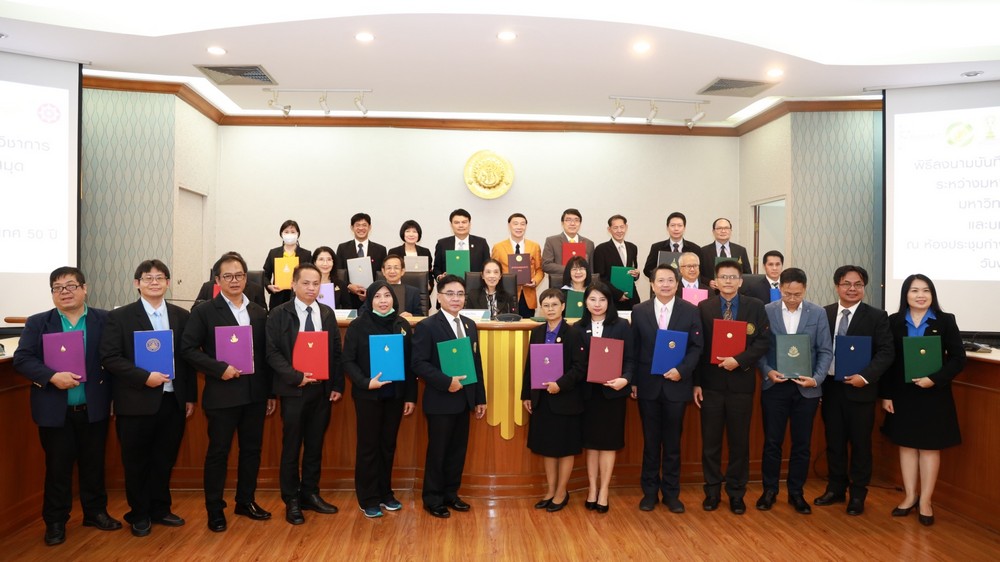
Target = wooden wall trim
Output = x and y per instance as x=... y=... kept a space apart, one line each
x=182 y=91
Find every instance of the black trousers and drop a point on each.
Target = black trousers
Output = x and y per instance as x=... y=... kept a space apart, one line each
x=246 y=421
x=783 y=405
x=304 y=420
x=728 y=413
x=447 y=442
x=848 y=423
x=377 y=427
x=78 y=442
x=149 y=450
x=662 y=424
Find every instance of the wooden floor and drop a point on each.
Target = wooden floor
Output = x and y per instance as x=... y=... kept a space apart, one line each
x=513 y=530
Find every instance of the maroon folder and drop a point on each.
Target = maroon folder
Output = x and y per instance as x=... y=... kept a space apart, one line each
x=729 y=338
x=311 y=354
x=520 y=265
x=605 y=359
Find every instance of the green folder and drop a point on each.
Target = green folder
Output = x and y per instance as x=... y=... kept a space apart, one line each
x=456 y=359
x=574 y=304
x=457 y=262
x=737 y=261
x=794 y=355
x=622 y=280
x=921 y=356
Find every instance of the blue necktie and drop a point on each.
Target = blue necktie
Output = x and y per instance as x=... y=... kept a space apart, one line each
x=310 y=327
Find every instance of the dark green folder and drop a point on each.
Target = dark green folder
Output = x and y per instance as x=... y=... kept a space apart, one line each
x=622 y=280
x=456 y=359
x=921 y=356
x=457 y=262
x=574 y=304
x=794 y=355
x=720 y=259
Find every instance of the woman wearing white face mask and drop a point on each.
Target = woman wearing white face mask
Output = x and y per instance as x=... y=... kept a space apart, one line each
x=289 y=232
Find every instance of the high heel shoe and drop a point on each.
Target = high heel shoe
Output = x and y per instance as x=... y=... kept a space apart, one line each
x=904 y=511
x=602 y=508
x=925 y=520
x=589 y=505
x=543 y=504
x=553 y=506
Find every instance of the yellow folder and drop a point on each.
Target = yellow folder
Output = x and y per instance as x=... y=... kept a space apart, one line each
x=283 y=269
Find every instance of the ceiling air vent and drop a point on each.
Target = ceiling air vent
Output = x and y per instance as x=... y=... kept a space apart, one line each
x=735 y=88
x=246 y=75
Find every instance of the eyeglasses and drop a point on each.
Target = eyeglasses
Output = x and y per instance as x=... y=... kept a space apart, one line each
x=691 y=266
x=571 y=220
x=723 y=228
x=578 y=269
x=727 y=277
x=56 y=289
x=227 y=277
x=845 y=285
x=148 y=279
x=453 y=294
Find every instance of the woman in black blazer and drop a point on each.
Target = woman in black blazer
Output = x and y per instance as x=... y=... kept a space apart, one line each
x=556 y=413
x=379 y=405
x=921 y=416
x=325 y=260
x=289 y=233
x=491 y=295
x=604 y=404
x=411 y=233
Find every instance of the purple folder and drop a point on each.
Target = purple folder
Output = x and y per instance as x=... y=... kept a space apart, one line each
x=326 y=295
x=234 y=346
x=63 y=351
x=546 y=363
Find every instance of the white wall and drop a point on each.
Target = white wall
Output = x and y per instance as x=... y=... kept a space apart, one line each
x=766 y=175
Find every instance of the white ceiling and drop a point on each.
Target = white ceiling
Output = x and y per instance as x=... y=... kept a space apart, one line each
x=443 y=59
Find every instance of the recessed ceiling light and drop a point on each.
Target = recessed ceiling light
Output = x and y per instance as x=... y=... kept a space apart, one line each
x=365 y=37
x=641 y=47
x=3 y=36
x=972 y=73
x=215 y=50
x=775 y=73
x=506 y=36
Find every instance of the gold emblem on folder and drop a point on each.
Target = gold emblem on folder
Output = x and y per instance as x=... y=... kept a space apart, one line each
x=606 y=350
x=729 y=335
x=546 y=361
x=852 y=348
x=672 y=345
x=310 y=344
x=518 y=258
x=62 y=348
x=234 y=339
x=286 y=270
x=674 y=265
x=454 y=350
x=793 y=352
x=923 y=352
x=153 y=345
x=387 y=349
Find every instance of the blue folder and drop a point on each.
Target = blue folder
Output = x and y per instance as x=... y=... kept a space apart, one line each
x=669 y=351
x=154 y=351
x=775 y=294
x=385 y=353
x=853 y=353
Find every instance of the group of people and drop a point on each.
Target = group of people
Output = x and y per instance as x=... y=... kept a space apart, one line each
x=568 y=414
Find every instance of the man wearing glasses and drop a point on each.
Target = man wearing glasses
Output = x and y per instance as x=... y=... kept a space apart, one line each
x=447 y=402
x=552 y=258
x=722 y=247
x=676 y=225
x=72 y=415
x=690 y=267
x=150 y=407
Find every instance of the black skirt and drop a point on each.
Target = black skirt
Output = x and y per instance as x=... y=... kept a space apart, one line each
x=603 y=421
x=554 y=435
x=925 y=418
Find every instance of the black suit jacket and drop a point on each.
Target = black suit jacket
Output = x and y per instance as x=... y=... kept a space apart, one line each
x=421 y=251
x=479 y=252
x=664 y=246
x=893 y=384
x=252 y=291
x=569 y=400
x=427 y=366
x=477 y=300
x=874 y=323
x=744 y=379
x=282 y=331
x=48 y=403
x=757 y=287
x=128 y=382
x=349 y=250
x=305 y=256
x=605 y=257
x=708 y=254
x=357 y=360
x=198 y=349
x=683 y=318
x=619 y=330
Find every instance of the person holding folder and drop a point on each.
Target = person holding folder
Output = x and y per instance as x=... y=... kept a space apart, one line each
x=491 y=295
x=619 y=253
x=522 y=251
x=326 y=261
x=553 y=260
x=447 y=399
x=236 y=398
x=791 y=398
x=380 y=399
x=151 y=405
x=921 y=416
x=70 y=408
x=461 y=240
x=663 y=395
x=411 y=233
x=851 y=387
x=604 y=402
x=306 y=385
x=556 y=409
x=288 y=250
x=675 y=243
x=393 y=270
x=361 y=246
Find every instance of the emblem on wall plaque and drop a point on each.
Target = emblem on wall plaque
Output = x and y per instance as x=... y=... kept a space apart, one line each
x=488 y=175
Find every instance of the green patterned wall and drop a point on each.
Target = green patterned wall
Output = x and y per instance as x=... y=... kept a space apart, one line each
x=128 y=189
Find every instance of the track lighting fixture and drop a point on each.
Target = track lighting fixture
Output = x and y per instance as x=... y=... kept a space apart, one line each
x=324 y=98
x=654 y=109
x=619 y=109
x=323 y=105
x=359 y=102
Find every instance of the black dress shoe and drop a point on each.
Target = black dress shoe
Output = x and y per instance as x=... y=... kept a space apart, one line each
x=766 y=500
x=55 y=533
x=925 y=520
x=293 y=512
x=904 y=511
x=829 y=498
x=438 y=511
x=800 y=504
x=856 y=506
x=554 y=507
x=647 y=503
x=543 y=504
x=737 y=506
x=142 y=528
x=457 y=504
x=169 y=520
x=252 y=510
x=674 y=505
x=602 y=508
x=102 y=521
x=710 y=503
x=216 y=521
x=315 y=503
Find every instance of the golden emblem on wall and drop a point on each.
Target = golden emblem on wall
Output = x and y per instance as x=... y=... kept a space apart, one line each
x=488 y=175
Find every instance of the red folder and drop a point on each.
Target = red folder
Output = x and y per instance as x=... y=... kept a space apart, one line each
x=215 y=290
x=729 y=338
x=311 y=354
x=605 y=359
x=520 y=265
x=573 y=249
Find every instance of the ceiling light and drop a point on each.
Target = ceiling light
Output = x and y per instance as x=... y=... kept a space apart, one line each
x=641 y=47
x=653 y=110
x=775 y=73
x=506 y=36
x=689 y=123
x=323 y=105
x=359 y=102
x=972 y=73
x=699 y=114
x=4 y=36
x=365 y=37
x=619 y=109
x=216 y=50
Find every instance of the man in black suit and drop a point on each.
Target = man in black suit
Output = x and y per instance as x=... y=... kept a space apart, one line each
x=72 y=415
x=446 y=402
x=252 y=290
x=663 y=397
x=689 y=266
x=724 y=386
x=849 y=405
x=761 y=289
x=479 y=249
x=233 y=401
x=305 y=400
x=408 y=296
x=676 y=225
x=150 y=407
x=722 y=228
x=360 y=246
x=618 y=252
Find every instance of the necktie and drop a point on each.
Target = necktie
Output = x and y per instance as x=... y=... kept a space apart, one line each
x=621 y=253
x=461 y=244
x=663 y=318
x=676 y=247
x=157 y=320
x=722 y=252
x=458 y=328
x=728 y=313
x=361 y=250
x=517 y=248
x=845 y=319
x=310 y=327
x=774 y=285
